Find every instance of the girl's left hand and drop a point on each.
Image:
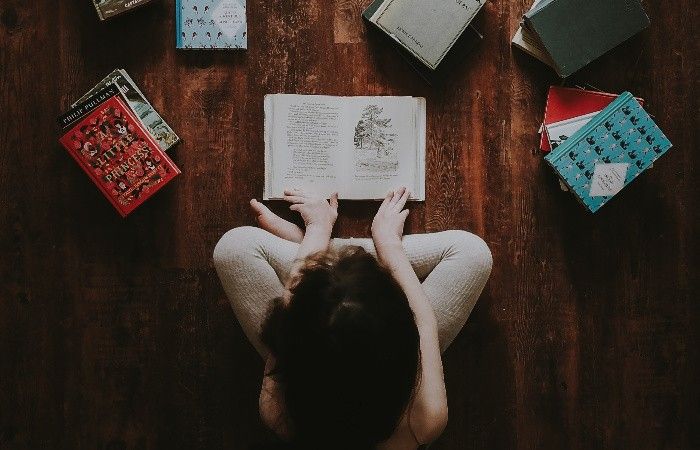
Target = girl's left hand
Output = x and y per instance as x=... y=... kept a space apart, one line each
x=316 y=211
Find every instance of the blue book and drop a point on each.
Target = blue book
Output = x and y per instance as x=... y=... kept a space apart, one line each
x=211 y=24
x=609 y=152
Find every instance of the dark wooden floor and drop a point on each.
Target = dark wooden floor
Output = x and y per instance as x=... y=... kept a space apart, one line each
x=115 y=334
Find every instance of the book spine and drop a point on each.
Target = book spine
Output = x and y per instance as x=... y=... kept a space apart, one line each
x=592 y=125
x=178 y=24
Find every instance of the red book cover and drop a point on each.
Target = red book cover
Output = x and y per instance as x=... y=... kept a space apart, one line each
x=567 y=103
x=120 y=157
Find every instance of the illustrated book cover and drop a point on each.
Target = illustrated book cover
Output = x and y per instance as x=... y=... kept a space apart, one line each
x=360 y=147
x=565 y=105
x=211 y=24
x=120 y=157
x=106 y=9
x=609 y=152
x=146 y=113
x=428 y=30
x=576 y=32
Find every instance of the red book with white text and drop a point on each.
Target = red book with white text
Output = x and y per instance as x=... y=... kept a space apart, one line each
x=119 y=155
x=567 y=103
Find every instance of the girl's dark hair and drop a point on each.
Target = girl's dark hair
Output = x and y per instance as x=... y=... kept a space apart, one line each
x=347 y=351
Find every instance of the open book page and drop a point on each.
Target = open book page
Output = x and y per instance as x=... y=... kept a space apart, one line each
x=387 y=146
x=358 y=146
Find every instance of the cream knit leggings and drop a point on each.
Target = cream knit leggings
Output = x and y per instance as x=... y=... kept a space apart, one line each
x=452 y=265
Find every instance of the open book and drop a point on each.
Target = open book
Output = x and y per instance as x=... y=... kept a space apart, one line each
x=360 y=147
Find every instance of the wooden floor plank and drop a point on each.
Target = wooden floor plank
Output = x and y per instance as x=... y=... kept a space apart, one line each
x=115 y=334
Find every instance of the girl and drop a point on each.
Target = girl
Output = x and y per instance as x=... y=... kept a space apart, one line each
x=351 y=330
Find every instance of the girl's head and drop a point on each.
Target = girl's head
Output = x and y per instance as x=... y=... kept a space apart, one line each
x=347 y=351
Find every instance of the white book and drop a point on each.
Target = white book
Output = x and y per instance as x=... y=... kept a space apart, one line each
x=558 y=132
x=530 y=44
x=360 y=147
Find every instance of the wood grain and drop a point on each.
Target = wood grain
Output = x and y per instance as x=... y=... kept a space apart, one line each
x=115 y=334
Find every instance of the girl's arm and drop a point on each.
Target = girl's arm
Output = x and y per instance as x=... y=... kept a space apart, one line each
x=427 y=414
x=319 y=218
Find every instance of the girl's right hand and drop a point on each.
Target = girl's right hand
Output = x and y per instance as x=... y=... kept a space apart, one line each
x=388 y=224
x=317 y=212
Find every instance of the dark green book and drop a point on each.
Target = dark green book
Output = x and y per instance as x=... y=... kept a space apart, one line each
x=576 y=32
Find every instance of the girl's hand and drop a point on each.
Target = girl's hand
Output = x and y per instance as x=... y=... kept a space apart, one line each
x=317 y=212
x=387 y=227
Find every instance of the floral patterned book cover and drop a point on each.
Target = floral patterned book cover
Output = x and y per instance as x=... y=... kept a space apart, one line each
x=118 y=154
x=211 y=24
x=609 y=152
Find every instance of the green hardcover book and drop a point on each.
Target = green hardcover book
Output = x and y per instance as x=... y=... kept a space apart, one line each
x=576 y=32
x=428 y=30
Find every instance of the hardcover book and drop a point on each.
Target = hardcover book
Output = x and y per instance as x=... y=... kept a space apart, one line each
x=120 y=157
x=428 y=30
x=565 y=105
x=576 y=32
x=524 y=40
x=107 y=9
x=559 y=132
x=211 y=24
x=360 y=147
x=147 y=115
x=78 y=111
x=609 y=152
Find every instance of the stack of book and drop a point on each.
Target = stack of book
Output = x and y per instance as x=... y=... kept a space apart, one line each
x=433 y=36
x=119 y=140
x=598 y=143
x=569 y=34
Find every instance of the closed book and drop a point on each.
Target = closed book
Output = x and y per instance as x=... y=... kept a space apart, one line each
x=564 y=103
x=156 y=126
x=576 y=32
x=428 y=30
x=119 y=156
x=211 y=24
x=106 y=9
x=79 y=110
x=609 y=152
x=524 y=40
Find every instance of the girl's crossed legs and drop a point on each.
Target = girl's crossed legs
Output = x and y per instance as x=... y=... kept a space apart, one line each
x=453 y=266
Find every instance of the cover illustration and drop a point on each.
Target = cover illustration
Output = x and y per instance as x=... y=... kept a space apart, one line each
x=149 y=117
x=212 y=24
x=609 y=152
x=120 y=157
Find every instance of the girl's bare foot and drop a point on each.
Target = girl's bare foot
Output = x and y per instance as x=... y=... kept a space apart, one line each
x=276 y=225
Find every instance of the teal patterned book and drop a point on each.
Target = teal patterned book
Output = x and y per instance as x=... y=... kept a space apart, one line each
x=211 y=24
x=607 y=154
